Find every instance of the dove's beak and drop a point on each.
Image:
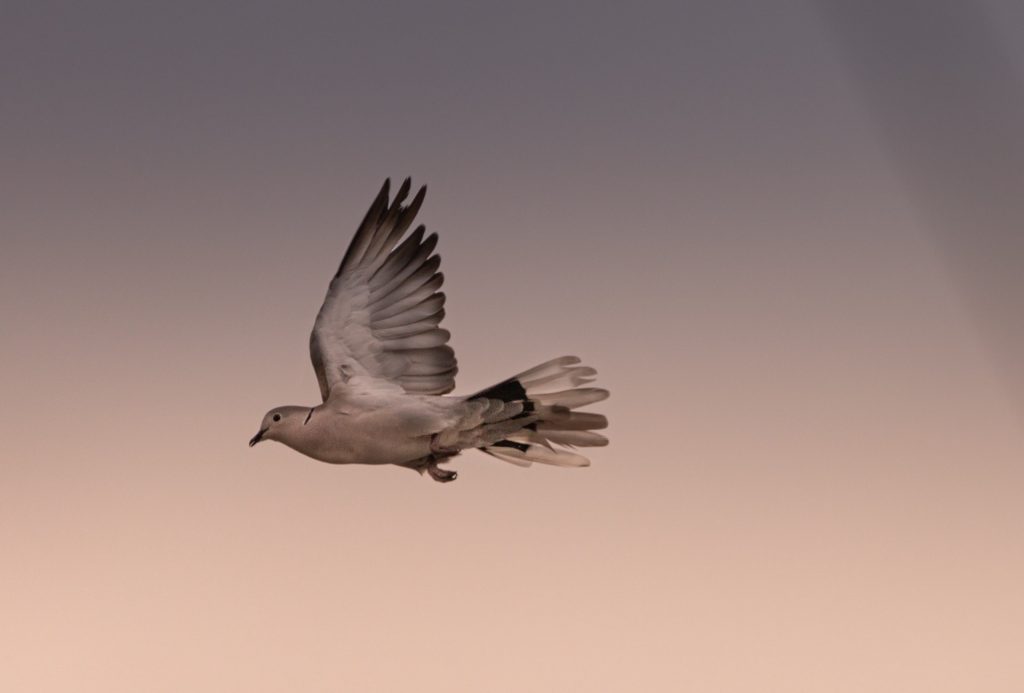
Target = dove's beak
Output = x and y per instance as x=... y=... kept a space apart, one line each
x=258 y=437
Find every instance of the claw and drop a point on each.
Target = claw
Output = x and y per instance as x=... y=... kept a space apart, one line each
x=441 y=475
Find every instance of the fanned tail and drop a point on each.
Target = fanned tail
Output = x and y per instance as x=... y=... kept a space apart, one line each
x=550 y=394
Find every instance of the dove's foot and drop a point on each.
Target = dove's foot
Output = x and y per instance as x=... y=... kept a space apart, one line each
x=442 y=475
x=429 y=464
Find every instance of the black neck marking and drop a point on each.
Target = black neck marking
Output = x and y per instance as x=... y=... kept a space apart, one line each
x=308 y=416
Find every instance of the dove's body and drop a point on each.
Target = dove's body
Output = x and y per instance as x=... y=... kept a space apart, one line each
x=367 y=437
x=383 y=364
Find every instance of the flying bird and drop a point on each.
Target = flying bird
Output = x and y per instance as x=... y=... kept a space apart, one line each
x=385 y=370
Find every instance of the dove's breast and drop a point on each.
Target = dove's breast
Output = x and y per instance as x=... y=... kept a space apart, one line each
x=368 y=438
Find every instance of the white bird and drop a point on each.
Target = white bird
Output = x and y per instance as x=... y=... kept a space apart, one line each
x=384 y=366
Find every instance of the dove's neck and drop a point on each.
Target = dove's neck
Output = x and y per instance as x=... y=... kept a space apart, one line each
x=317 y=432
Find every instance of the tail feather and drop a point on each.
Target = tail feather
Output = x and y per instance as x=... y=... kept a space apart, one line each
x=580 y=397
x=524 y=458
x=580 y=439
x=550 y=394
x=572 y=421
x=547 y=368
x=573 y=377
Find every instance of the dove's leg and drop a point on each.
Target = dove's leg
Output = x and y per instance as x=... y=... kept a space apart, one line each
x=439 y=450
x=440 y=453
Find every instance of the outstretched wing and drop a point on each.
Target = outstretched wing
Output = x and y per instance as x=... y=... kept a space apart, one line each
x=381 y=314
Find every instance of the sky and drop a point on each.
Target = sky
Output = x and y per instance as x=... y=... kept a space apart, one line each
x=786 y=234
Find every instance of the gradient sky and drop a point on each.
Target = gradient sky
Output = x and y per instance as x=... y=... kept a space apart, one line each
x=726 y=207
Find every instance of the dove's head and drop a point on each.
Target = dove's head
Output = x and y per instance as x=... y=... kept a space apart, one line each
x=278 y=422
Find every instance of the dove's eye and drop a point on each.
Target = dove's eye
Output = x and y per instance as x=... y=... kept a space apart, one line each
x=277 y=417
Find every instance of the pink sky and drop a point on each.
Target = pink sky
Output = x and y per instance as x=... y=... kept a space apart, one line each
x=813 y=481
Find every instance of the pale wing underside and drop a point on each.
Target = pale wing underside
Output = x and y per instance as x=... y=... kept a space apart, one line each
x=381 y=314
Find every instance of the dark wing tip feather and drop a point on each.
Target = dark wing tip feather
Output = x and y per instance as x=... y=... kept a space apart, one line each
x=380 y=203
x=417 y=201
x=365 y=230
x=403 y=191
